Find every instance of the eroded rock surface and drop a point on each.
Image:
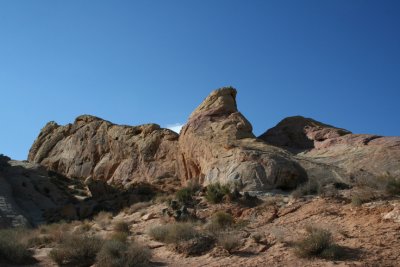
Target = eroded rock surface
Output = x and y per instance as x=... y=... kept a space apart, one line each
x=336 y=149
x=217 y=145
x=118 y=154
x=26 y=192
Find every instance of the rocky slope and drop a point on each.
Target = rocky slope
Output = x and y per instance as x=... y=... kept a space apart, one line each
x=97 y=149
x=356 y=156
x=26 y=192
x=217 y=145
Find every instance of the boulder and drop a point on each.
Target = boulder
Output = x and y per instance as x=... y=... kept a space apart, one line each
x=217 y=145
x=117 y=154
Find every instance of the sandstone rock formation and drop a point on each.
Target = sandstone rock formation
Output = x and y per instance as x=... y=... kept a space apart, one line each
x=331 y=148
x=26 y=192
x=97 y=149
x=217 y=145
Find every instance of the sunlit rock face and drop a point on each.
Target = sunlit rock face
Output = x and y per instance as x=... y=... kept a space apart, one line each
x=118 y=154
x=217 y=145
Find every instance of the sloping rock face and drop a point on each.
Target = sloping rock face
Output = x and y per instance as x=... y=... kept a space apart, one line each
x=26 y=192
x=97 y=149
x=217 y=145
x=330 y=147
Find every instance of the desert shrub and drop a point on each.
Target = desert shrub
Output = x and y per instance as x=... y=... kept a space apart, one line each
x=173 y=233
x=222 y=218
x=103 y=219
x=119 y=254
x=311 y=187
x=257 y=237
x=136 y=207
x=54 y=231
x=229 y=241
x=76 y=250
x=122 y=227
x=85 y=226
x=184 y=195
x=119 y=236
x=216 y=192
x=356 y=200
x=13 y=249
x=317 y=243
x=393 y=186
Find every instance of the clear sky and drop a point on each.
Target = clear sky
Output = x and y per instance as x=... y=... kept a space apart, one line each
x=134 y=62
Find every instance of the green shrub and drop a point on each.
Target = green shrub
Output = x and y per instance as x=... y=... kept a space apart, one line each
x=317 y=243
x=76 y=250
x=184 y=195
x=173 y=233
x=216 y=192
x=119 y=254
x=13 y=249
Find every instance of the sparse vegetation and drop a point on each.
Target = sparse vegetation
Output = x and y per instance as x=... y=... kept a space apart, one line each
x=229 y=241
x=311 y=187
x=221 y=219
x=184 y=195
x=120 y=254
x=136 y=207
x=216 y=192
x=13 y=248
x=76 y=250
x=121 y=227
x=173 y=233
x=317 y=243
x=393 y=186
x=257 y=237
x=103 y=219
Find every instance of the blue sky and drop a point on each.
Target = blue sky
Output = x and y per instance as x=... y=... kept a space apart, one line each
x=134 y=62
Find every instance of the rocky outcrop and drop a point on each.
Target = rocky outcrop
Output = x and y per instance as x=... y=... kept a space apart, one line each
x=99 y=150
x=26 y=192
x=217 y=145
x=299 y=133
x=331 y=148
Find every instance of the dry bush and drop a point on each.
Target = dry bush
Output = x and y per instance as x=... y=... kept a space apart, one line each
x=76 y=250
x=311 y=187
x=103 y=219
x=393 y=186
x=122 y=227
x=317 y=243
x=257 y=237
x=120 y=254
x=173 y=233
x=136 y=207
x=220 y=221
x=216 y=192
x=119 y=236
x=13 y=248
x=229 y=241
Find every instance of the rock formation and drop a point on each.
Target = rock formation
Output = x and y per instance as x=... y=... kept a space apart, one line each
x=97 y=149
x=26 y=192
x=217 y=145
x=350 y=154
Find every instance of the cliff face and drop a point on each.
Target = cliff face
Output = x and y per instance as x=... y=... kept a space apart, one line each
x=95 y=148
x=217 y=145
